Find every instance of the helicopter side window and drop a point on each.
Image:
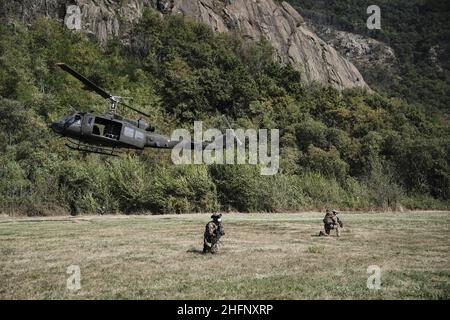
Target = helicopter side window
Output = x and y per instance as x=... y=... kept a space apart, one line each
x=129 y=132
x=107 y=128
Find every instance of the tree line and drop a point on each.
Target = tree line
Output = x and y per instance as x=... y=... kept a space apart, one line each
x=350 y=149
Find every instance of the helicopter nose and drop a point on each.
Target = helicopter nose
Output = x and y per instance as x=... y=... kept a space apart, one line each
x=56 y=127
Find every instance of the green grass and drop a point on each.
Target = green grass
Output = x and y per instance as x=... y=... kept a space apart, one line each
x=263 y=256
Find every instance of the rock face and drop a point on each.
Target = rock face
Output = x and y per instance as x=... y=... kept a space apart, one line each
x=358 y=49
x=102 y=18
x=278 y=22
x=283 y=26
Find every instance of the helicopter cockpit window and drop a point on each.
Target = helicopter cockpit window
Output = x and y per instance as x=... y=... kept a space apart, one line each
x=69 y=120
x=107 y=128
x=77 y=120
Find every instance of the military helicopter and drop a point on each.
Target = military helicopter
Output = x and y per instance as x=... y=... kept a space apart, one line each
x=107 y=133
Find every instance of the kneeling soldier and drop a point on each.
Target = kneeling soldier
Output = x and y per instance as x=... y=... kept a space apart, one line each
x=331 y=221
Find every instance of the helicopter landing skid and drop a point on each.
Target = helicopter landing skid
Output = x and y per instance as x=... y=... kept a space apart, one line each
x=82 y=147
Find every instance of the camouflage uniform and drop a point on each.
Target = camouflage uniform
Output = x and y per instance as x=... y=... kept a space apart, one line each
x=213 y=231
x=331 y=221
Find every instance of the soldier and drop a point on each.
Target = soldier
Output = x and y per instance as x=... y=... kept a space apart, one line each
x=331 y=221
x=213 y=232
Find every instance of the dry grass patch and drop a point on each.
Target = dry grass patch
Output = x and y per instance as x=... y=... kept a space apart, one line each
x=263 y=256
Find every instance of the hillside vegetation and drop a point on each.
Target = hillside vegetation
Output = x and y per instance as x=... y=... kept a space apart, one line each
x=349 y=149
x=417 y=30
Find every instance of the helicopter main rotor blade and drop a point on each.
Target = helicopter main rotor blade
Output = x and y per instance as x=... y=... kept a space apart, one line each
x=134 y=109
x=92 y=86
x=88 y=83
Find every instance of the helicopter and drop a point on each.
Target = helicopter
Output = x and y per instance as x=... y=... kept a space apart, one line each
x=107 y=133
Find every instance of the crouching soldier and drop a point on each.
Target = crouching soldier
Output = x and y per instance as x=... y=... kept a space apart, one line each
x=331 y=221
x=213 y=231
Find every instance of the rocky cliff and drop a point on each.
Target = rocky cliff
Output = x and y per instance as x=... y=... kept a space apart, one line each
x=359 y=49
x=277 y=21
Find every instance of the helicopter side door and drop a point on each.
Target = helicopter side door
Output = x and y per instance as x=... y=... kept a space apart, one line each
x=105 y=128
x=133 y=136
x=87 y=123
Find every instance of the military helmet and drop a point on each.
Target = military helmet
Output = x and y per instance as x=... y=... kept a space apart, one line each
x=335 y=211
x=216 y=215
x=328 y=211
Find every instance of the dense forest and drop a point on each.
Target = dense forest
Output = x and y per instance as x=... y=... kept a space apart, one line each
x=417 y=30
x=351 y=149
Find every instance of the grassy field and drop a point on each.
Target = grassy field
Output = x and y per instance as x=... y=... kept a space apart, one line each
x=263 y=256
